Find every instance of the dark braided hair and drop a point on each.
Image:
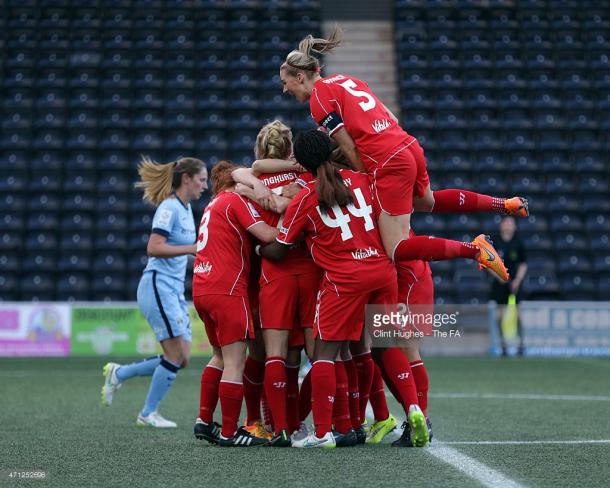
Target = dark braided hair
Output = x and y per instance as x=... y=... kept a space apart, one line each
x=312 y=149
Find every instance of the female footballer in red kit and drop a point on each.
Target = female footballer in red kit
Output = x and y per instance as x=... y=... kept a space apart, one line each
x=287 y=294
x=371 y=139
x=220 y=295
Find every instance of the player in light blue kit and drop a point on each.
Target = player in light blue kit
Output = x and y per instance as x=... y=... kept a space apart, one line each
x=170 y=187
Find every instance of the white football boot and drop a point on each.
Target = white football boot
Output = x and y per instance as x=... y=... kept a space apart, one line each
x=154 y=419
x=111 y=383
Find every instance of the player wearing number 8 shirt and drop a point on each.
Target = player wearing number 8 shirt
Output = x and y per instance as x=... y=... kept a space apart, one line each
x=220 y=295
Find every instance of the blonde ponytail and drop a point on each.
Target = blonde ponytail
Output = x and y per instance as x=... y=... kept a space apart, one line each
x=159 y=181
x=303 y=59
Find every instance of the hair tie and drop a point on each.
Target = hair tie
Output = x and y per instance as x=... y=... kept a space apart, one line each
x=317 y=69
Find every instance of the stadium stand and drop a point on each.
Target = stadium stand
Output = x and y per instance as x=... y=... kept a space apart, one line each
x=508 y=97
x=87 y=89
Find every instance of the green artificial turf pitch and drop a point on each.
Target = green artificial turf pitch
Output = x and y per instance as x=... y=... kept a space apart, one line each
x=52 y=420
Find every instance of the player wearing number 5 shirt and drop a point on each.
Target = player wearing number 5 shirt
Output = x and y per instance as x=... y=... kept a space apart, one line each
x=373 y=142
x=220 y=295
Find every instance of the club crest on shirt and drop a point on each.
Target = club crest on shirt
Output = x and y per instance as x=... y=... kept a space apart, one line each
x=165 y=217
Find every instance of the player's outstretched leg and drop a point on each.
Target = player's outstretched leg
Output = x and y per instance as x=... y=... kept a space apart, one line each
x=115 y=374
x=428 y=248
x=462 y=201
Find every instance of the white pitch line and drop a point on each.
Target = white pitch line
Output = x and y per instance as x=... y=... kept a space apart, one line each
x=522 y=396
x=476 y=470
x=525 y=443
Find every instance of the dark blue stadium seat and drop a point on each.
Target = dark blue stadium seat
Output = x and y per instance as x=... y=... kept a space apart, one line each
x=541 y=286
x=73 y=287
x=578 y=287
x=570 y=262
x=109 y=262
x=9 y=286
x=603 y=287
x=109 y=286
x=9 y=261
x=598 y=222
x=76 y=241
x=37 y=286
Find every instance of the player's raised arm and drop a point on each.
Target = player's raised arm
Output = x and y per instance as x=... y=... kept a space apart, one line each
x=261 y=166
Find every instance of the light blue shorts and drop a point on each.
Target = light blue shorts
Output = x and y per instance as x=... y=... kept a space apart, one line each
x=161 y=300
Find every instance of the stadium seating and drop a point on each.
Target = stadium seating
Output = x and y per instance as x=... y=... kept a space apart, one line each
x=87 y=88
x=507 y=98
x=513 y=96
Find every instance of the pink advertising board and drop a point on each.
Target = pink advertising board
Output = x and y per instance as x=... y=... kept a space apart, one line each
x=34 y=329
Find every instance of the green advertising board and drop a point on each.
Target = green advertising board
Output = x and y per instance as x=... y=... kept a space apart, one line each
x=123 y=331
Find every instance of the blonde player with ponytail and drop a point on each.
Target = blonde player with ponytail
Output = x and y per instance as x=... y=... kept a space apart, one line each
x=169 y=187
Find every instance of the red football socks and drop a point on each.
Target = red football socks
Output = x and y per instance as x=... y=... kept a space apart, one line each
x=231 y=396
x=398 y=371
x=292 y=396
x=353 y=393
x=341 y=413
x=305 y=397
x=254 y=374
x=429 y=248
x=420 y=374
x=323 y=388
x=208 y=393
x=462 y=201
x=378 y=400
x=365 y=368
x=275 y=391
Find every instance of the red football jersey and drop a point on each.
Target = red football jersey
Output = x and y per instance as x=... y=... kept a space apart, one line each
x=343 y=101
x=345 y=243
x=222 y=264
x=297 y=261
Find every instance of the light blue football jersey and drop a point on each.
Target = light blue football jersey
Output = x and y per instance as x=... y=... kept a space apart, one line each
x=175 y=221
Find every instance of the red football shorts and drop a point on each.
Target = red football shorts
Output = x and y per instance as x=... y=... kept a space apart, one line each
x=415 y=285
x=227 y=319
x=341 y=317
x=289 y=303
x=401 y=177
x=416 y=291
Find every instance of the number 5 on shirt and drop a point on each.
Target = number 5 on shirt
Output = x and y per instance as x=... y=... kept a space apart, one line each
x=350 y=86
